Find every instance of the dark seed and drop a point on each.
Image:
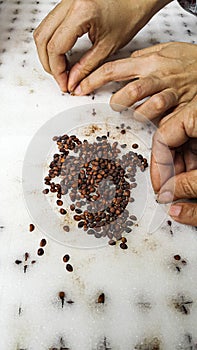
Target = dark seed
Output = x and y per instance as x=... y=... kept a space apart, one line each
x=59 y=202
x=184 y=262
x=18 y=262
x=177 y=257
x=128 y=230
x=31 y=227
x=123 y=246
x=135 y=145
x=45 y=191
x=72 y=207
x=63 y=211
x=69 y=267
x=78 y=211
x=66 y=228
x=81 y=224
x=61 y=295
x=112 y=242
x=133 y=217
x=33 y=262
x=101 y=298
x=123 y=132
x=66 y=258
x=40 y=251
x=43 y=242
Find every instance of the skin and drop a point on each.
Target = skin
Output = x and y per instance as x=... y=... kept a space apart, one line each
x=167 y=74
x=70 y=19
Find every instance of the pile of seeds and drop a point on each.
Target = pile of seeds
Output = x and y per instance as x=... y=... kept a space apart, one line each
x=98 y=179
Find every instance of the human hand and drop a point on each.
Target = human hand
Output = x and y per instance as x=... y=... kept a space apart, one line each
x=109 y=24
x=166 y=72
x=174 y=169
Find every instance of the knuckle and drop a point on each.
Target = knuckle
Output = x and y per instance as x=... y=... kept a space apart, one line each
x=158 y=102
x=37 y=35
x=135 y=90
x=51 y=47
x=187 y=188
x=191 y=212
x=191 y=122
x=108 y=69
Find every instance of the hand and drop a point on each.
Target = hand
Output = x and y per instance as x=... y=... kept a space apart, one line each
x=174 y=169
x=109 y=24
x=166 y=72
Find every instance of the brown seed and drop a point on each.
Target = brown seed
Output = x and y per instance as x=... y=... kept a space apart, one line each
x=123 y=131
x=43 y=242
x=69 y=267
x=124 y=240
x=177 y=257
x=112 y=242
x=40 y=251
x=33 y=262
x=66 y=258
x=63 y=211
x=66 y=228
x=45 y=191
x=26 y=256
x=101 y=298
x=77 y=217
x=72 y=207
x=184 y=262
x=61 y=295
x=31 y=227
x=18 y=262
x=135 y=145
x=123 y=246
x=59 y=202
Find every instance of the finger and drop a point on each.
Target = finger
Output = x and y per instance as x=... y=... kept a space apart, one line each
x=91 y=60
x=45 y=30
x=173 y=133
x=136 y=91
x=124 y=69
x=158 y=104
x=190 y=154
x=148 y=50
x=110 y=71
x=180 y=186
x=185 y=213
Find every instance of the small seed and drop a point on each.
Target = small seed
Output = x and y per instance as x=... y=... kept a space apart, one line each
x=69 y=267
x=63 y=211
x=123 y=246
x=61 y=295
x=81 y=224
x=135 y=145
x=18 y=262
x=31 y=227
x=59 y=202
x=66 y=228
x=40 y=251
x=177 y=257
x=45 y=191
x=112 y=242
x=101 y=298
x=124 y=240
x=123 y=132
x=43 y=242
x=133 y=217
x=78 y=211
x=72 y=207
x=66 y=258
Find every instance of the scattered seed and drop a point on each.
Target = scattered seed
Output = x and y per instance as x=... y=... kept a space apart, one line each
x=59 y=202
x=31 y=227
x=133 y=217
x=123 y=132
x=72 y=207
x=45 y=191
x=43 y=242
x=123 y=246
x=66 y=228
x=66 y=258
x=177 y=257
x=112 y=242
x=135 y=145
x=69 y=267
x=63 y=211
x=40 y=251
x=33 y=262
x=124 y=240
x=18 y=262
x=101 y=298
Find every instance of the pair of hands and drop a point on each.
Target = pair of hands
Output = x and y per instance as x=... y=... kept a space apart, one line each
x=166 y=72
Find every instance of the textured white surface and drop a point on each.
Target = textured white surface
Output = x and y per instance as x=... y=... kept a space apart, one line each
x=31 y=316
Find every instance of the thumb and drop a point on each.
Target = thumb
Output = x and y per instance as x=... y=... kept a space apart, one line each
x=180 y=186
x=89 y=61
x=185 y=213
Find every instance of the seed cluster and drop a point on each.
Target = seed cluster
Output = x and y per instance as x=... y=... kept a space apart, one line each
x=99 y=180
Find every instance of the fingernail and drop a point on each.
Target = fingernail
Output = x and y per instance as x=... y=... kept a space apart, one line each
x=165 y=197
x=77 y=91
x=175 y=210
